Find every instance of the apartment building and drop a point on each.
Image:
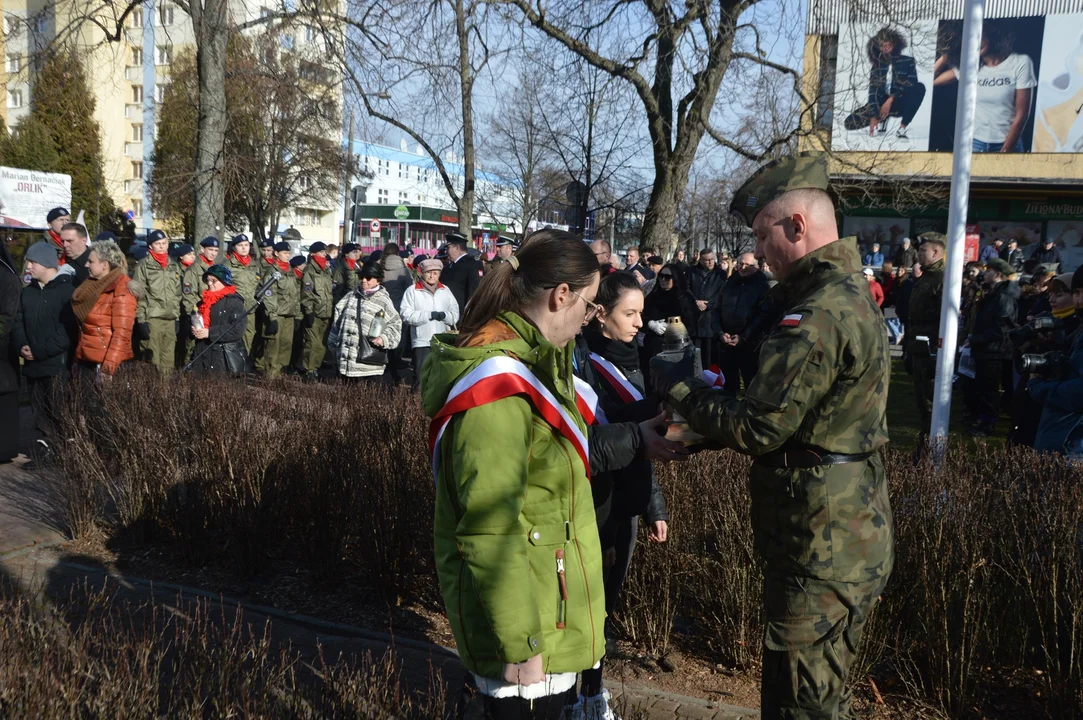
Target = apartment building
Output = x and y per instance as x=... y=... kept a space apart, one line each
x=129 y=78
x=884 y=84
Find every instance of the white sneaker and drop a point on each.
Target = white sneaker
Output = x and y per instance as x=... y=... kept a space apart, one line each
x=595 y=707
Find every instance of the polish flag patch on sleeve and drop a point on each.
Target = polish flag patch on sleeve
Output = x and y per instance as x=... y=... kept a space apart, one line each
x=791 y=321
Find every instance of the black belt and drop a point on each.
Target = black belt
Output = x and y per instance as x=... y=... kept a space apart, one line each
x=803 y=458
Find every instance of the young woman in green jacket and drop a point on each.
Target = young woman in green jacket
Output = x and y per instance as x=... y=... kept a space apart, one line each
x=517 y=548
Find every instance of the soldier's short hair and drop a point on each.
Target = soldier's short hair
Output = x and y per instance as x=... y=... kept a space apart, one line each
x=706 y=251
x=79 y=229
x=935 y=239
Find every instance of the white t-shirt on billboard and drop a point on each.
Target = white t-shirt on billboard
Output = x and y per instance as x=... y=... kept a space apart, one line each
x=996 y=95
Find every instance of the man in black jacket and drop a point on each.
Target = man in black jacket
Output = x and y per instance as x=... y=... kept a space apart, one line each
x=991 y=348
x=1047 y=254
x=45 y=331
x=1013 y=255
x=463 y=273
x=741 y=312
x=705 y=282
x=77 y=249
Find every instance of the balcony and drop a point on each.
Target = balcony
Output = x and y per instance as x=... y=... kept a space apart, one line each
x=133 y=111
x=133 y=73
x=133 y=149
x=133 y=186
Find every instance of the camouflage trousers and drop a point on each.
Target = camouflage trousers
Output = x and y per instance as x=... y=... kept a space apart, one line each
x=812 y=635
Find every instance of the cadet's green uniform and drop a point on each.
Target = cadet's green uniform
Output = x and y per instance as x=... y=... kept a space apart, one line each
x=281 y=307
x=924 y=321
x=246 y=280
x=160 y=309
x=316 y=300
x=344 y=280
x=814 y=419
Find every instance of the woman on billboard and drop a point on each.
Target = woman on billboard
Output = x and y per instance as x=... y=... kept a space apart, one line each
x=1006 y=81
x=894 y=90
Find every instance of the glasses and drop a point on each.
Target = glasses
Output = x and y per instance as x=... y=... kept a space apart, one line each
x=592 y=308
x=665 y=276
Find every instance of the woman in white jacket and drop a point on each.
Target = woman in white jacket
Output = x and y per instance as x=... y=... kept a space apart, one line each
x=357 y=338
x=428 y=308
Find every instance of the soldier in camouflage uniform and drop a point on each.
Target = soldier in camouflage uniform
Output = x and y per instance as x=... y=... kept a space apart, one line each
x=345 y=278
x=246 y=278
x=317 y=306
x=814 y=420
x=158 y=312
x=923 y=326
x=281 y=307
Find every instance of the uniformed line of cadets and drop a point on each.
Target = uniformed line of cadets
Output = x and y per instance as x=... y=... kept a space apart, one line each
x=290 y=291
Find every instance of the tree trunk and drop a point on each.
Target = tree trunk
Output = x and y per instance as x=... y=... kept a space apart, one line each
x=211 y=23
x=466 y=83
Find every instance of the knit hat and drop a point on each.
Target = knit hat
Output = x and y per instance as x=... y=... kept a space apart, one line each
x=316 y=247
x=372 y=270
x=219 y=271
x=296 y=260
x=282 y=246
x=43 y=254
x=433 y=264
x=209 y=241
x=57 y=212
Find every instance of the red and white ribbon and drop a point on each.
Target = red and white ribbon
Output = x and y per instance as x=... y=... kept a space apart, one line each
x=714 y=377
x=626 y=390
x=501 y=377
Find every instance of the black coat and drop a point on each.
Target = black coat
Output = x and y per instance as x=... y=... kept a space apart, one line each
x=223 y=350
x=462 y=278
x=47 y=324
x=79 y=265
x=906 y=257
x=706 y=285
x=661 y=305
x=1041 y=256
x=995 y=316
x=616 y=444
x=10 y=288
x=1014 y=258
x=741 y=305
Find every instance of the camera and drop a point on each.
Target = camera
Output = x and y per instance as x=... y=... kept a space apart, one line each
x=1053 y=365
x=1028 y=332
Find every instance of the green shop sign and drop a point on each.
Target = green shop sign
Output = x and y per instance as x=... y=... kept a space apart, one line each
x=402 y=213
x=1048 y=209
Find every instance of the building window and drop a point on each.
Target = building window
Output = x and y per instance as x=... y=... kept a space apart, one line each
x=404 y=171
x=137 y=56
x=11 y=26
x=385 y=167
x=15 y=98
x=40 y=23
x=418 y=174
x=285 y=41
x=15 y=63
x=381 y=197
x=403 y=199
x=164 y=55
x=304 y=182
x=137 y=207
x=165 y=15
x=137 y=93
x=137 y=133
x=310 y=33
x=135 y=19
x=137 y=169
x=825 y=102
x=159 y=91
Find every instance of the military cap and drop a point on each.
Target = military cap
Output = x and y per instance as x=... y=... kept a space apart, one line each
x=297 y=260
x=441 y=252
x=317 y=247
x=182 y=250
x=57 y=212
x=138 y=252
x=454 y=238
x=267 y=243
x=776 y=178
x=349 y=248
x=239 y=239
x=209 y=241
x=934 y=237
x=156 y=235
x=1001 y=266
x=219 y=271
x=504 y=241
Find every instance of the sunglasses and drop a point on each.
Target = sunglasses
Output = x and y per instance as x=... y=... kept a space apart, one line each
x=666 y=276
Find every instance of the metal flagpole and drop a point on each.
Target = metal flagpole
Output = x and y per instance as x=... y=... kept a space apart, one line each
x=973 y=15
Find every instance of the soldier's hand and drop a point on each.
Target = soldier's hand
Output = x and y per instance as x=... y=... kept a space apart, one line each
x=272 y=328
x=142 y=330
x=655 y=444
x=308 y=320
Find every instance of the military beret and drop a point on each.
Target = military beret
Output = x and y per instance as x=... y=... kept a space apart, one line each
x=1001 y=266
x=57 y=212
x=138 y=252
x=282 y=246
x=105 y=235
x=239 y=239
x=504 y=241
x=317 y=247
x=182 y=249
x=156 y=235
x=209 y=241
x=219 y=271
x=776 y=178
x=349 y=248
x=934 y=237
x=267 y=243
x=297 y=260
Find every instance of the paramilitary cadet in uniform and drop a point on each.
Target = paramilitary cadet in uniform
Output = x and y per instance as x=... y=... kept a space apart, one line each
x=814 y=421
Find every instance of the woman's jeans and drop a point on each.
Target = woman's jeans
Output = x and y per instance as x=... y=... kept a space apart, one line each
x=904 y=108
x=982 y=146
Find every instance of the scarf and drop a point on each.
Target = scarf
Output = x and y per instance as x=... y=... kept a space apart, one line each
x=283 y=266
x=206 y=262
x=1064 y=312
x=623 y=355
x=242 y=259
x=60 y=244
x=298 y=273
x=88 y=292
x=186 y=264
x=321 y=261
x=210 y=297
x=351 y=263
x=161 y=258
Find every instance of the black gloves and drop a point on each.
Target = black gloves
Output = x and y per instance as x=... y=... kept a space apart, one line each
x=176 y=328
x=308 y=321
x=665 y=374
x=272 y=328
x=142 y=331
x=438 y=315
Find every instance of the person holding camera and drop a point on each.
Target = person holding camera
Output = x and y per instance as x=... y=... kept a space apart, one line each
x=990 y=346
x=1058 y=385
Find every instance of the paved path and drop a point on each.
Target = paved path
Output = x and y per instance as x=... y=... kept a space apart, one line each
x=31 y=525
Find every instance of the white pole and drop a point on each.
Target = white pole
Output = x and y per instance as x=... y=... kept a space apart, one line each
x=973 y=15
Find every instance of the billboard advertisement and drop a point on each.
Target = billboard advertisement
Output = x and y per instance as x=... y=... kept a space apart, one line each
x=896 y=85
x=27 y=196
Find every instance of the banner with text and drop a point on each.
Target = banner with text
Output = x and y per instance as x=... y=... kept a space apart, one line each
x=27 y=196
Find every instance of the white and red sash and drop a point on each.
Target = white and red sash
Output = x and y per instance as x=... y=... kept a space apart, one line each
x=501 y=377
x=625 y=389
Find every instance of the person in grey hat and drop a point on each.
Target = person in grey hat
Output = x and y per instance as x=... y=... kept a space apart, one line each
x=45 y=333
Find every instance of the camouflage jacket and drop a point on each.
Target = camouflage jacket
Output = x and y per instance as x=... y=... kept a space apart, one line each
x=822 y=383
x=924 y=319
x=317 y=296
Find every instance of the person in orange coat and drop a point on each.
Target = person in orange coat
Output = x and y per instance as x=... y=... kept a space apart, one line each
x=105 y=307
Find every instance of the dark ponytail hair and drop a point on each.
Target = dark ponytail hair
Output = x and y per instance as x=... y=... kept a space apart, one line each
x=612 y=288
x=547 y=259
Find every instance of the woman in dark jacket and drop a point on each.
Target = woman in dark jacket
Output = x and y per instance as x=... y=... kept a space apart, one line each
x=669 y=298
x=10 y=287
x=220 y=325
x=990 y=346
x=894 y=90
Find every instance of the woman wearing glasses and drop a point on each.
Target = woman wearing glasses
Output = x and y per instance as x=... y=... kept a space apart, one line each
x=517 y=548
x=669 y=298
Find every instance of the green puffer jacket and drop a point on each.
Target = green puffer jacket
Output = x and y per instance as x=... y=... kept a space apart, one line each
x=317 y=295
x=512 y=495
x=163 y=298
